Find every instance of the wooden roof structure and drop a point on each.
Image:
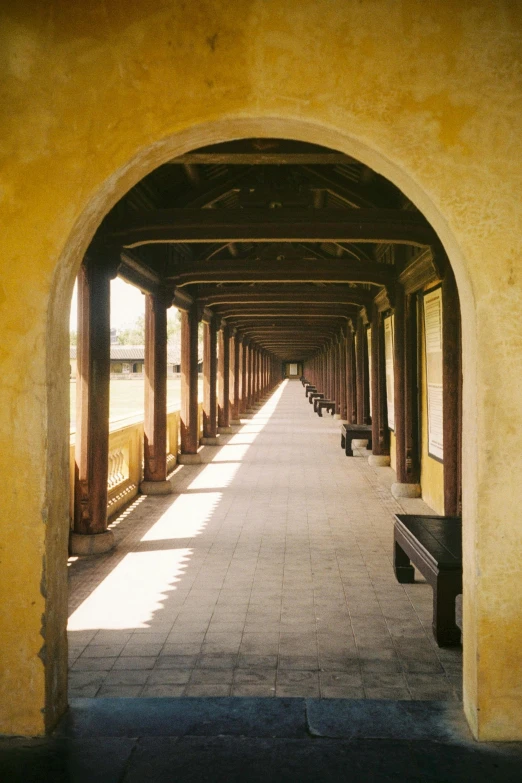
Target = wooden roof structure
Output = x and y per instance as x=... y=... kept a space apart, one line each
x=285 y=241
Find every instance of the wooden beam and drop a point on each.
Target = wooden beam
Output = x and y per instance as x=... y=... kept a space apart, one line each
x=264 y=151
x=331 y=271
x=271 y=225
x=211 y=190
x=380 y=192
x=239 y=312
x=266 y=294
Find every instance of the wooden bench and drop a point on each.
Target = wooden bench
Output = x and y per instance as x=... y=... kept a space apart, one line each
x=351 y=432
x=434 y=546
x=315 y=396
x=324 y=405
x=309 y=389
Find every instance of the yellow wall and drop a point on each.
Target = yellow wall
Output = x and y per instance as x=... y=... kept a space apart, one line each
x=97 y=94
x=432 y=471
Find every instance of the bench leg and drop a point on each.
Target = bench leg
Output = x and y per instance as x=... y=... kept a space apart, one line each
x=343 y=441
x=445 y=630
x=319 y=412
x=404 y=571
x=348 y=448
x=369 y=445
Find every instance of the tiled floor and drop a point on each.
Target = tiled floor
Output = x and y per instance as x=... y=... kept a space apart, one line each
x=267 y=572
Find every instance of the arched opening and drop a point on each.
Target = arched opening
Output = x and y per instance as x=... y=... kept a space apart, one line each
x=361 y=297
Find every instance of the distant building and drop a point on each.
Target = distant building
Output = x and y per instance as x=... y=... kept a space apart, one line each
x=127 y=361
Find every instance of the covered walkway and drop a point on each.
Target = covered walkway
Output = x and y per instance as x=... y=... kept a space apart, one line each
x=267 y=572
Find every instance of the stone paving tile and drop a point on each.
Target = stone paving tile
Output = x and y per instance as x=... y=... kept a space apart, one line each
x=267 y=572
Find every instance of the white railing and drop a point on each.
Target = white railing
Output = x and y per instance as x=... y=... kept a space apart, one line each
x=126 y=457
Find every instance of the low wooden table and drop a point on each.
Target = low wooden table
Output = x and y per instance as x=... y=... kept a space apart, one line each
x=351 y=432
x=321 y=405
x=315 y=396
x=309 y=389
x=434 y=546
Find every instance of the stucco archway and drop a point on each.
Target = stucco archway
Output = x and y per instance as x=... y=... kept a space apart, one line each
x=228 y=129
x=425 y=93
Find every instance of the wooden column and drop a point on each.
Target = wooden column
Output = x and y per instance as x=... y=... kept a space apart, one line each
x=189 y=435
x=256 y=375
x=210 y=381
x=224 y=379
x=405 y=485
x=363 y=413
x=90 y=534
x=244 y=377
x=411 y=391
x=451 y=394
x=235 y=368
x=250 y=367
x=380 y=434
x=240 y=349
x=399 y=376
x=342 y=378
x=351 y=393
x=155 y=418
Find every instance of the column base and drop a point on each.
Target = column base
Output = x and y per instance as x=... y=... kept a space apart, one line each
x=400 y=490
x=189 y=459
x=359 y=443
x=235 y=423
x=209 y=441
x=337 y=416
x=378 y=460
x=91 y=544
x=225 y=430
x=155 y=488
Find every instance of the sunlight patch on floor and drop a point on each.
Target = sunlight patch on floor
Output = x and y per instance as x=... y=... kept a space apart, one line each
x=215 y=476
x=231 y=453
x=134 y=590
x=185 y=518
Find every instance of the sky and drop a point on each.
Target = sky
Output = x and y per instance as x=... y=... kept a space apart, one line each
x=127 y=303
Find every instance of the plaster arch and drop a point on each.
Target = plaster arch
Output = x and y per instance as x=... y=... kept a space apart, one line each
x=228 y=129
x=427 y=93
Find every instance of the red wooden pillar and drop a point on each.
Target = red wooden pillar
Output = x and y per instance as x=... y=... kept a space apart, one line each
x=380 y=434
x=451 y=394
x=224 y=380
x=189 y=434
x=250 y=367
x=328 y=387
x=337 y=377
x=342 y=378
x=361 y=359
x=261 y=373
x=155 y=417
x=243 y=405
x=90 y=534
x=351 y=412
x=235 y=373
x=238 y=364
x=407 y=483
x=256 y=376
x=210 y=382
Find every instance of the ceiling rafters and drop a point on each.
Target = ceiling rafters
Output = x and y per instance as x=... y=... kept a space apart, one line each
x=277 y=225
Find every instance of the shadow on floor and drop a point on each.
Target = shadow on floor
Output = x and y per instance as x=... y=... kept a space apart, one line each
x=228 y=739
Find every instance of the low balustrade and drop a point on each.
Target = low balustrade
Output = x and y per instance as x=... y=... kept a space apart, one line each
x=126 y=457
